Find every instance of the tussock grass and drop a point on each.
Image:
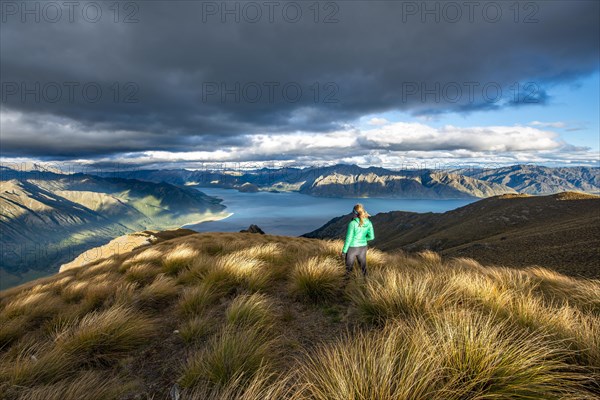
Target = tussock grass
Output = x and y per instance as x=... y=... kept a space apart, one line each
x=89 y=385
x=264 y=385
x=97 y=295
x=34 y=304
x=196 y=299
x=108 y=264
x=212 y=248
x=250 y=310
x=327 y=247
x=159 y=293
x=152 y=255
x=392 y=294
x=457 y=355
x=195 y=329
x=585 y=293
x=317 y=278
x=34 y=364
x=74 y=292
x=435 y=329
x=268 y=252
x=430 y=259
x=12 y=329
x=231 y=354
x=101 y=338
x=29 y=311
x=376 y=259
x=241 y=269
x=179 y=258
x=142 y=273
x=197 y=269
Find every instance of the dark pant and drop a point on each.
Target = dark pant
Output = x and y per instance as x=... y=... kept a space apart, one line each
x=361 y=254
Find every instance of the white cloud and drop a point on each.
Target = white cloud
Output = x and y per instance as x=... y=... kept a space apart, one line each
x=558 y=124
x=378 y=121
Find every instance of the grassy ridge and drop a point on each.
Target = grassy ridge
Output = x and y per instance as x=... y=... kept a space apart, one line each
x=244 y=316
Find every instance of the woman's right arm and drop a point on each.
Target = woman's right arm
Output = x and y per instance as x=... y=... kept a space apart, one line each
x=370 y=233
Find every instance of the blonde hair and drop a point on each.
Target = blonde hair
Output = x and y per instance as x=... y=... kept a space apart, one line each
x=362 y=214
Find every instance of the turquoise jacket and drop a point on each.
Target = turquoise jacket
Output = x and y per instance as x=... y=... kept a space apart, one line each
x=358 y=235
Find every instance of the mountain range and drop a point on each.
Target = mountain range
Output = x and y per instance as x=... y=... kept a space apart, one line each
x=343 y=180
x=47 y=218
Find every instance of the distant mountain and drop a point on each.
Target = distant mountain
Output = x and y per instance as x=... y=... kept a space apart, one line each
x=340 y=180
x=47 y=218
x=533 y=179
x=561 y=231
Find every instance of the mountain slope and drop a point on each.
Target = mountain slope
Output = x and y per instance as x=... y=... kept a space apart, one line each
x=560 y=231
x=47 y=219
x=261 y=317
x=533 y=179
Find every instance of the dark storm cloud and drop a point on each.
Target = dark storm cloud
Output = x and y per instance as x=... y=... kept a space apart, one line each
x=161 y=78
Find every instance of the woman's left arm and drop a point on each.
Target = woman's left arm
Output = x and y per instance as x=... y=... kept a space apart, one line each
x=349 y=237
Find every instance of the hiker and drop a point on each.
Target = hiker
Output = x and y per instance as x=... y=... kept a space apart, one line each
x=360 y=230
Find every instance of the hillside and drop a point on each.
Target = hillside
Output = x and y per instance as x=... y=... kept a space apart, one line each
x=247 y=316
x=47 y=218
x=559 y=231
x=533 y=179
x=343 y=180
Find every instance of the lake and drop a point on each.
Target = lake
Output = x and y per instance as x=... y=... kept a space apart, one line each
x=294 y=214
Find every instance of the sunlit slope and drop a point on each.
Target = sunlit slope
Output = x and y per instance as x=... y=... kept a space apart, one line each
x=560 y=231
x=248 y=316
x=48 y=219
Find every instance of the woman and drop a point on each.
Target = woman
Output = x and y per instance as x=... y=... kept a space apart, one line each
x=360 y=230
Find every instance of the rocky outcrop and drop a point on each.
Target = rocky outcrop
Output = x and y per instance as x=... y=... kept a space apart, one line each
x=253 y=229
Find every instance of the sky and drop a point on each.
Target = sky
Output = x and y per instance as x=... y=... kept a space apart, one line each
x=397 y=84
